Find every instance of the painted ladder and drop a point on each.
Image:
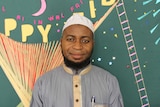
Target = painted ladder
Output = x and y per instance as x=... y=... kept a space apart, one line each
x=132 y=53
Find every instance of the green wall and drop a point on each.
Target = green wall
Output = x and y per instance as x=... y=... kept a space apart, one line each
x=111 y=48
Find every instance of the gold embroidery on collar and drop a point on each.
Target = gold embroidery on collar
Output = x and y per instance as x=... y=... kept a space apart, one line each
x=86 y=70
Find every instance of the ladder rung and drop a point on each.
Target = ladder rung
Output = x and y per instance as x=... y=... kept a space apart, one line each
x=139 y=80
x=120 y=4
x=145 y=96
x=125 y=21
x=129 y=34
x=138 y=73
x=145 y=105
x=129 y=48
x=122 y=13
x=126 y=28
x=142 y=89
x=135 y=67
x=129 y=40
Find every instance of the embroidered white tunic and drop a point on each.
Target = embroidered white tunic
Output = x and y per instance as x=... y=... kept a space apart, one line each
x=61 y=88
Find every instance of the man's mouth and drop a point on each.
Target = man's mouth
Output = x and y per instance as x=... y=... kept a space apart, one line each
x=77 y=56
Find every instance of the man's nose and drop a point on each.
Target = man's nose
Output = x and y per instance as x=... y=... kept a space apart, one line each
x=77 y=45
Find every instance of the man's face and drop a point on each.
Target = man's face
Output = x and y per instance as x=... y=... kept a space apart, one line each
x=77 y=43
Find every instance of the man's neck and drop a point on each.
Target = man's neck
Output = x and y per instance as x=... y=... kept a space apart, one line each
x=79 y=71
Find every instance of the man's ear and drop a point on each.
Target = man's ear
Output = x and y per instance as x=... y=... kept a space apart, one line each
x=61 y=38
x=60 y=41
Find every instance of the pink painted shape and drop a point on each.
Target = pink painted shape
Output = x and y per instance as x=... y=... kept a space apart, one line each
x=42 y=9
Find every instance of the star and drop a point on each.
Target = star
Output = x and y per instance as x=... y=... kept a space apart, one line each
x=99 y=59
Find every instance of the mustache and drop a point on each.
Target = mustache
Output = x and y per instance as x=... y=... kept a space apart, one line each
x=77 y=65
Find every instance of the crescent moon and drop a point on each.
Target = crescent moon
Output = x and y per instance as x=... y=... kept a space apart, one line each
x=42 y=9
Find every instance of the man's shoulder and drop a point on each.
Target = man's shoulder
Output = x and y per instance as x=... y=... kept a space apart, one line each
x=102 y=71
x=97 y=68
x=52 y=72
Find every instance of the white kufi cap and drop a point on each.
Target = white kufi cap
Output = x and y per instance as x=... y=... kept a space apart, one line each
x=79 y=19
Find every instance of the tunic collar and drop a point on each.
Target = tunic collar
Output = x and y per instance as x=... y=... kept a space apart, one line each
x=84 y=71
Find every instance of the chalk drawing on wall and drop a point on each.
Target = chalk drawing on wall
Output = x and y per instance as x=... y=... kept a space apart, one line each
x=127 y=33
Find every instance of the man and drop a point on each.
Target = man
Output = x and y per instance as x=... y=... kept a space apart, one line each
x=77 y=83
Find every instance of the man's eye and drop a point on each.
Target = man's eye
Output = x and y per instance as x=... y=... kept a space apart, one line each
x=85 y=41
x=70 y=39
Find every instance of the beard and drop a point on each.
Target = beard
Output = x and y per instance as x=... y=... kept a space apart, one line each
x=76 y=65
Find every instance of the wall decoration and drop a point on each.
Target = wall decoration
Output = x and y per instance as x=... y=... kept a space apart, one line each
x=126 y=44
